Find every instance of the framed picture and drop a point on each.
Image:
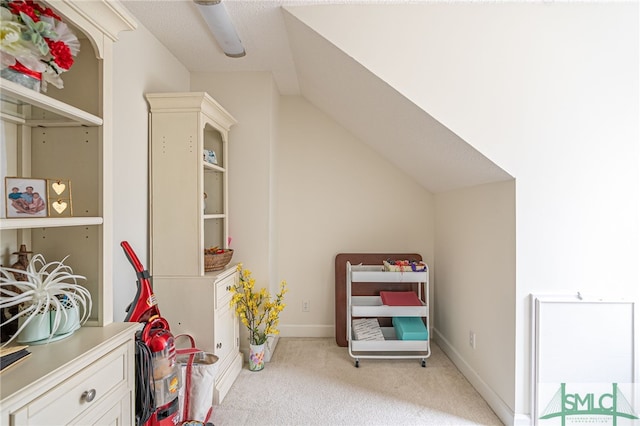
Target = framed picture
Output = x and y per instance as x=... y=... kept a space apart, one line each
x=59 y=197
x=26 y=197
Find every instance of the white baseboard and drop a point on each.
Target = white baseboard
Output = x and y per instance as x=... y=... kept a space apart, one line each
x=307 y=330
x=502 y=410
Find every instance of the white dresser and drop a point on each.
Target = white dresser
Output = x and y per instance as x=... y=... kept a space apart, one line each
x=85 y=379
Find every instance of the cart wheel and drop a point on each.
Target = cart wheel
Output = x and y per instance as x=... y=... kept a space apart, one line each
x=424 y=363
x=357 y=363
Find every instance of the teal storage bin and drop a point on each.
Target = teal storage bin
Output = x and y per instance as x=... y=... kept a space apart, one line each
x=410 y=328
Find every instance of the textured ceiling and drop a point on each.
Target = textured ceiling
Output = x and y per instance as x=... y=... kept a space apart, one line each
x=303 y=62
x=178 y=25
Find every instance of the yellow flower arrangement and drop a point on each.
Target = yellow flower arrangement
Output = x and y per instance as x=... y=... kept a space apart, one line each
x=256 y=309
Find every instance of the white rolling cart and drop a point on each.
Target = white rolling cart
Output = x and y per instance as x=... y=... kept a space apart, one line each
x=372 y=307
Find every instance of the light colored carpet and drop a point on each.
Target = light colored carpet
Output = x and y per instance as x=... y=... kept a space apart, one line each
x=312 y=381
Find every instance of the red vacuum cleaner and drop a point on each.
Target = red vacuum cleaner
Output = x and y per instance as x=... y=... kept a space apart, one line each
x=157 y=374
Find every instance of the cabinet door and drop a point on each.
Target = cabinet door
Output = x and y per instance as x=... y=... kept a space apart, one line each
x=226 y=335
x=187 y=303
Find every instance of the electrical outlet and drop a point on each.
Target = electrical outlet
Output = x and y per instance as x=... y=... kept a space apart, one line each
x=306 y=305
x=472 y=339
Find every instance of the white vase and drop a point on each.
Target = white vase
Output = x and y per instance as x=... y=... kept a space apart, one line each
x=26 y=80
x=38 y=328
x=256 y=357
x=69 y=319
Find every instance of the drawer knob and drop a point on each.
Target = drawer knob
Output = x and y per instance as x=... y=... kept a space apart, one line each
x=89 y=395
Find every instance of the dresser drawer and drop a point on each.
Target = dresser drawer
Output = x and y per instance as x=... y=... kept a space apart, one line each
x=76 y=395
x=223 y=293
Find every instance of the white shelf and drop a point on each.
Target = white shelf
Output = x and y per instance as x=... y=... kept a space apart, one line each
x=213 y=167
x=19 y=96
x=390 y=344
x=49 y=222
x=377 y=274
x=214 y=216
x=371 y=306
x=182 y=126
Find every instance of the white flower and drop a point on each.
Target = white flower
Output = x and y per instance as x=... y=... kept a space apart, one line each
x=37 y=39
x=12 y=45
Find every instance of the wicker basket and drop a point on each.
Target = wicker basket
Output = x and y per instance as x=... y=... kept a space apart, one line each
x=216 y=262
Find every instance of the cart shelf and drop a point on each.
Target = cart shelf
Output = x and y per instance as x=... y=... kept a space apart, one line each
x=372 y=306
x=377 y=274
x=389 y=344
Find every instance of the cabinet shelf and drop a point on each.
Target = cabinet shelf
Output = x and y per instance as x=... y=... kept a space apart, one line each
x=49 y=222
x=20 y=105
x=214 y=216
x=213 y=167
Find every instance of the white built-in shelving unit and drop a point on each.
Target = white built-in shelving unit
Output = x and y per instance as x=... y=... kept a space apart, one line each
x=66 y=134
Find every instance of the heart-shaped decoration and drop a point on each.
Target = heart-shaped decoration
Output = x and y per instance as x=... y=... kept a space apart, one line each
x=59 y=206
x=58 y=187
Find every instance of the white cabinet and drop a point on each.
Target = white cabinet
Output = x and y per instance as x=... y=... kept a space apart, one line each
x=372 y=307
x=66 y=134
x=85 y=379
x=199 y=306
x=184 y=223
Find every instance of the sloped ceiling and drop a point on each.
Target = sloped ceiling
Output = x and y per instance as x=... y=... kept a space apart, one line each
x=383 y=118
x=304 y=62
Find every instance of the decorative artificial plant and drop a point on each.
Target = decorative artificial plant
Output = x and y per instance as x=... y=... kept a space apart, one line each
x=35 y=40
x=46 y=287
x=256 y=309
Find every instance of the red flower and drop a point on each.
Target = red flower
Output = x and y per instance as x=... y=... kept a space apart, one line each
x=27 y=9
x=33 y=10
x=46 y=12
x=61 y=54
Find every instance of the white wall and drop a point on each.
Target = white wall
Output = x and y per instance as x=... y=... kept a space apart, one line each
x=353 y=199
x=336 y=195
x=475 y=285
x=302 y=189
x=141 y=65
x=549 y=92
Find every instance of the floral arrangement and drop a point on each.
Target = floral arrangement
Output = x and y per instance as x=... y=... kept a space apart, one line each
x=44 y=287
x=33 y=39
x=257 y=310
